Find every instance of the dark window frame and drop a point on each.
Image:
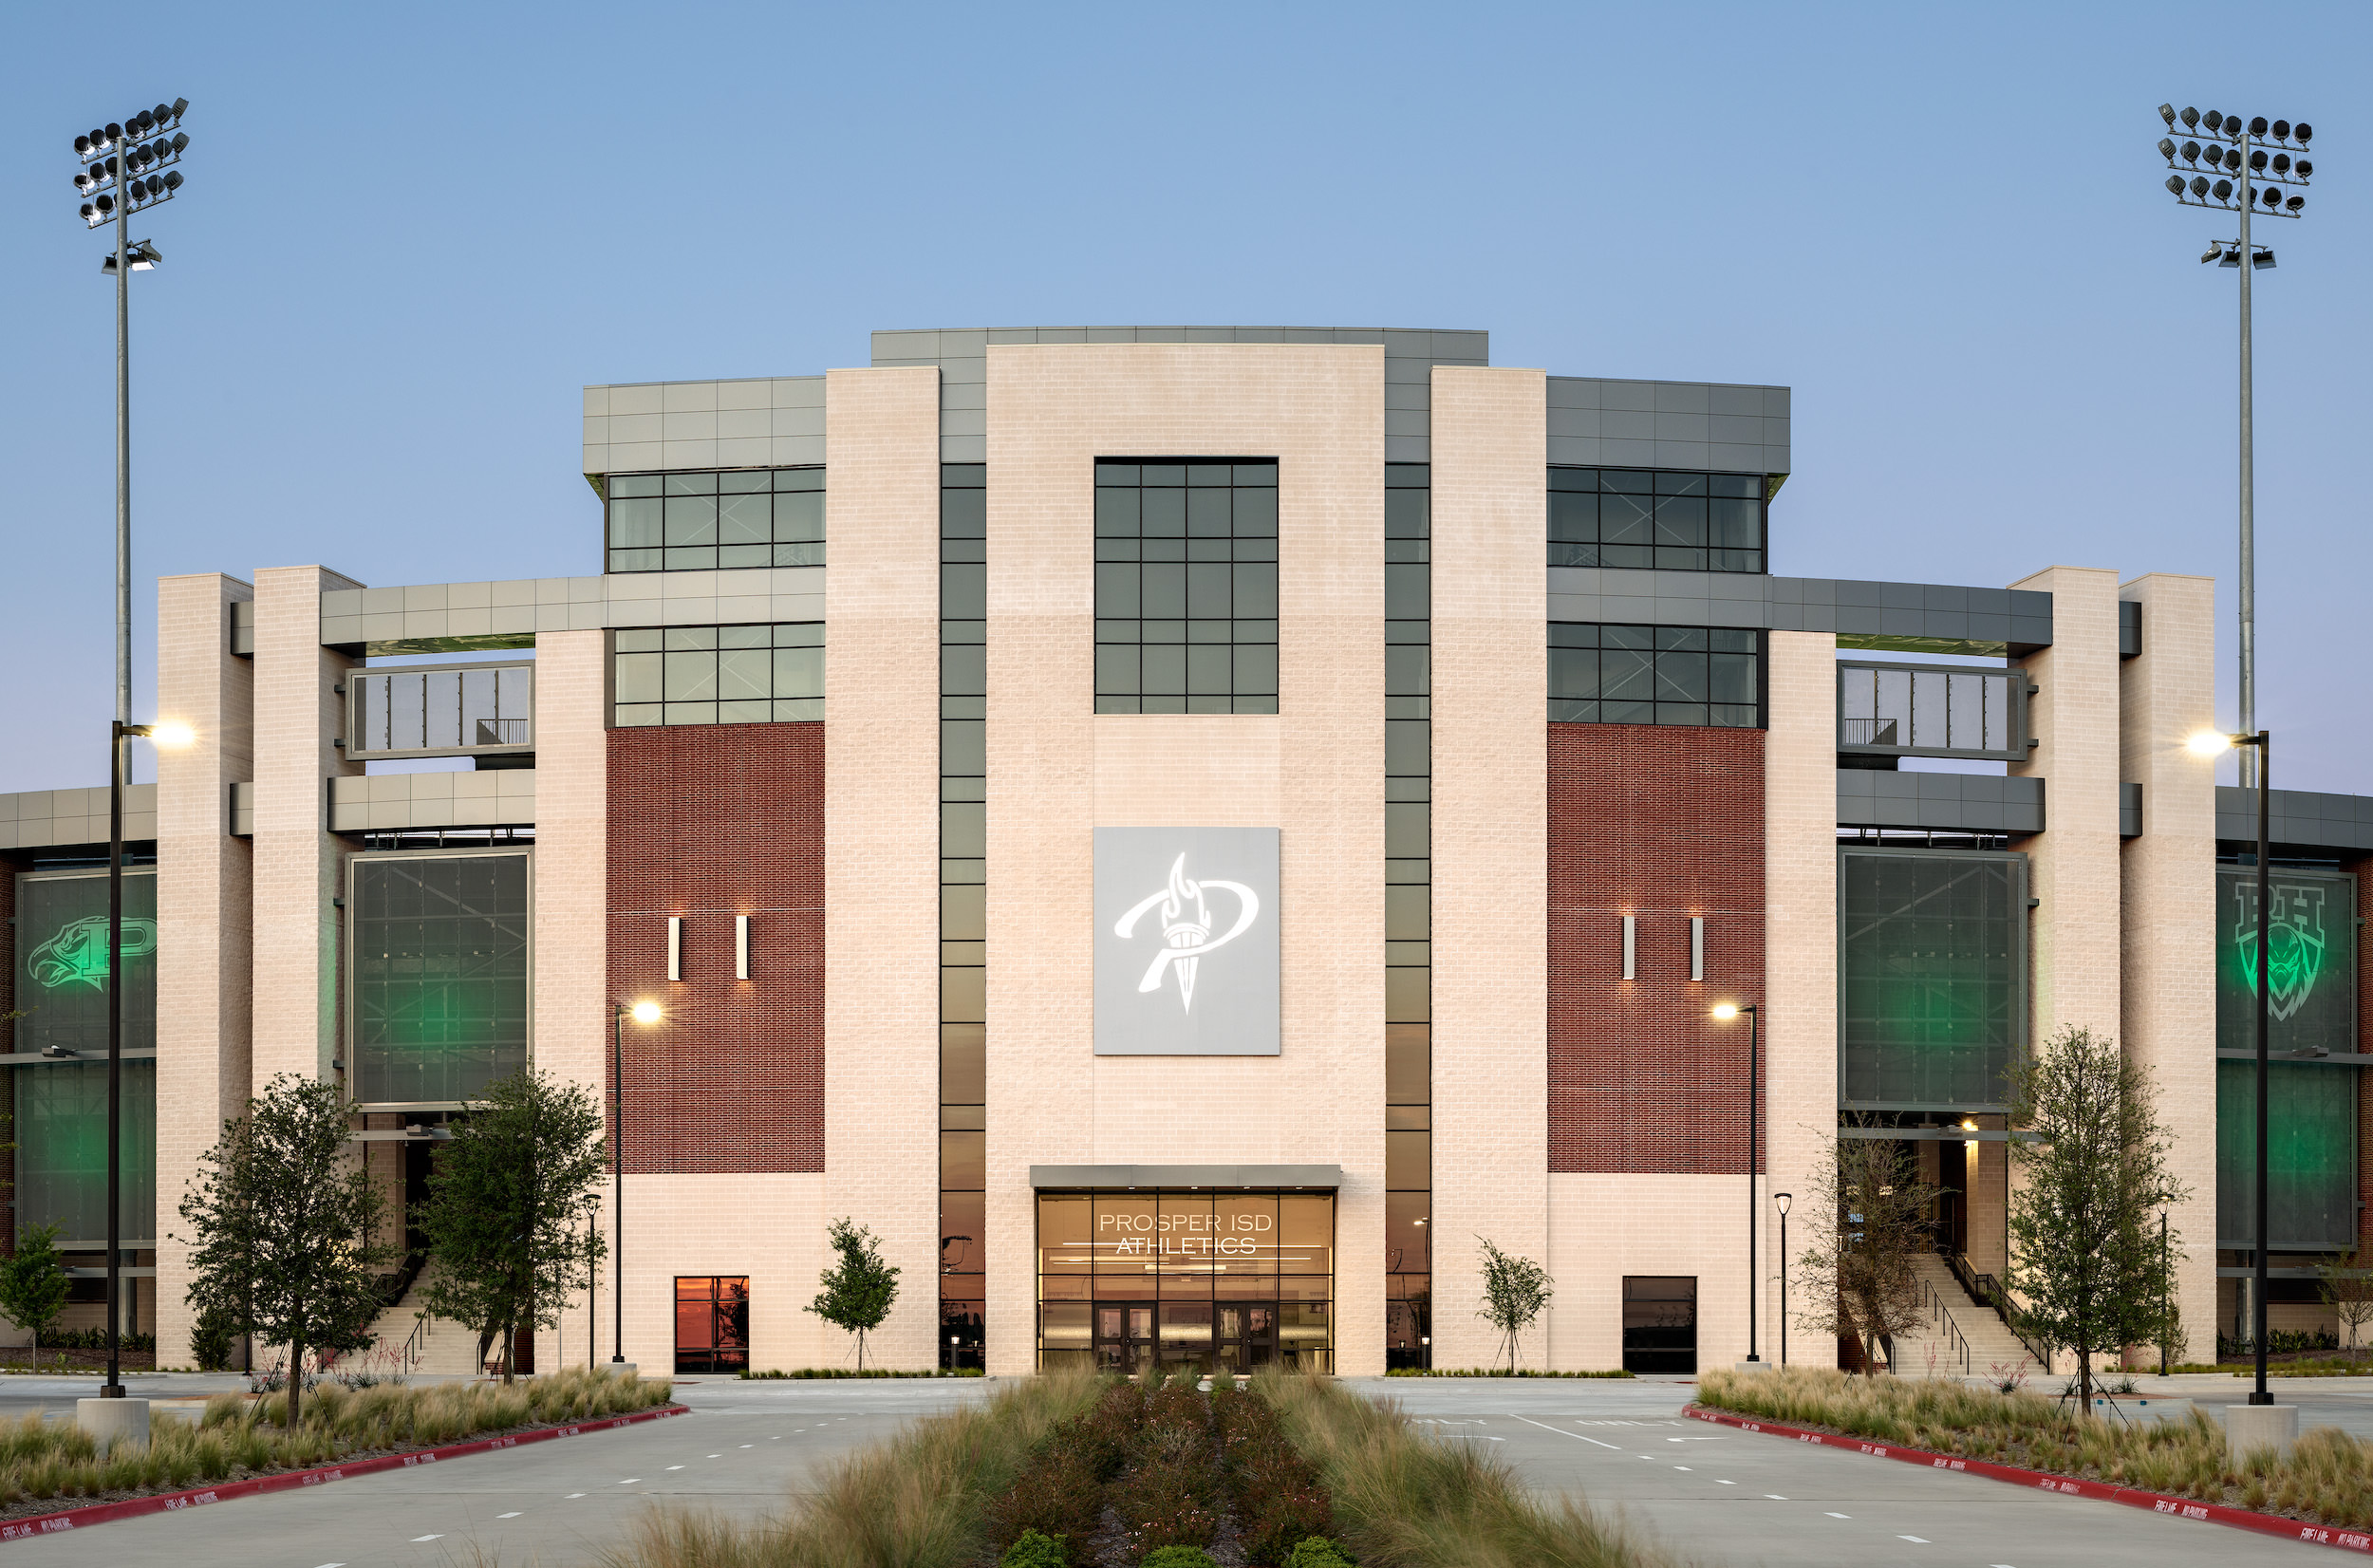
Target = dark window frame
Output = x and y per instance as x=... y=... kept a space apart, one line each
x=643 y=530
x=1640 y=694
x=1666 y=519
x=1185 y=558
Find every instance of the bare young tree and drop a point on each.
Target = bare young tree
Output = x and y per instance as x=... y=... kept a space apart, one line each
x=1866 y=1218
x=2348 y=1290
x=2085 y=1257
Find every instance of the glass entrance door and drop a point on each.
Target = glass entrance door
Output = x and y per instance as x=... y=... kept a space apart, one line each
x=1125 y=1342
x=1247 y=1335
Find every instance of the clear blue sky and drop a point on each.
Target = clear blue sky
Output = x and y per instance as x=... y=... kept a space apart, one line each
x=410 y=234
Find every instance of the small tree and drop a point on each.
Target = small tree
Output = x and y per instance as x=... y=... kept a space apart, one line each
x=2346 y=1289
x=34 y=1285
x=281 y=1215
x=1866 y=1219
x=859 y=1289
x=505 y=1201
x=2086 y=1252
x=1515 y=1291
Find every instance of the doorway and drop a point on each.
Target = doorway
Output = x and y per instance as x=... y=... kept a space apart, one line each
x=1125 y=1343
x=1246 y=1339
x=1660 y=1323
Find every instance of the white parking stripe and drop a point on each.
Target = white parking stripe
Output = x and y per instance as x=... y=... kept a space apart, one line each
x=1919 y=1540
x=506 y=1515
x=1562 y=1432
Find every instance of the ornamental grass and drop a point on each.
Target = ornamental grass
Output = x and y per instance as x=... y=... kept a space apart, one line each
x=2328 y=1478
x=920 y=1501
x=45 y=1463
x=1405 y=1500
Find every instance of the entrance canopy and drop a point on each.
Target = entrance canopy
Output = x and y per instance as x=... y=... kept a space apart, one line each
x=1185 y=1178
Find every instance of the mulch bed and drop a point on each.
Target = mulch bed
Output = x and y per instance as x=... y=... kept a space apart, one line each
x=19 y=1358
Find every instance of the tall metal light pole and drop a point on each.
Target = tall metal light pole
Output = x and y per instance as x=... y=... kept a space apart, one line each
x=117 y=160
x=1754 y=1160
x=2263 y=742
x=646 y=1014
x=2241 y=152
x=163 y=734
x=1782 y=1200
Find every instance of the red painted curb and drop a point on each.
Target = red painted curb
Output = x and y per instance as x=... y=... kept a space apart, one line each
x=165 y=1502
x=2157 y=1502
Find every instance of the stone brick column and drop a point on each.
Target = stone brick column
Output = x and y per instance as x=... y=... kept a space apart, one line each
x=880 y=845
x=299 y=865
x=204 y=910
x=2168 y=693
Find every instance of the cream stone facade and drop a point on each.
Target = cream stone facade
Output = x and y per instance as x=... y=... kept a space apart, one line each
x=920 y=1057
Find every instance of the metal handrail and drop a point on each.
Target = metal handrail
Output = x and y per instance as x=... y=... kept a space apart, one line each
x=415 y=1347
x=1941 y=1314
x=1989 y=1291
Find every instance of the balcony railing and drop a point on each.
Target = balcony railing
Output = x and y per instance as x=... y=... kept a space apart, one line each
x=1933 y=710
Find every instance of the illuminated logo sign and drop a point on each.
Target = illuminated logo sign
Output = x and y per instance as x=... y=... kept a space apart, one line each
x=1187 y=927
x=1186 y=941
x=77 y=954
x=2295 y=942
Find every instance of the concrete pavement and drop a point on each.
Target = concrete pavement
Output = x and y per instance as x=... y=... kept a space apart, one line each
x=1713 y=1494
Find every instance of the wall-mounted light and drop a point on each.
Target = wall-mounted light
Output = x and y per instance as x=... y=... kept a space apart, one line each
x=1631 y=947
x=675 y=947
x=742 y=948
x=1697 y=948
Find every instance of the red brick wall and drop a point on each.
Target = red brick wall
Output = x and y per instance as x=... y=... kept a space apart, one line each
x=709 y=822
x=1659 y=822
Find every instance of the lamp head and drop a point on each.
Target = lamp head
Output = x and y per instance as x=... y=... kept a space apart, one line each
x=644 y=1012
x=1726 y=1011
x=1783 y=1199
x=2209 y=744
x=171 y=733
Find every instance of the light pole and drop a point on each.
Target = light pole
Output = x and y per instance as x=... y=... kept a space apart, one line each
x=162 y=734
x=2244 y=156
x=1781 y=1198
x=116 y=175
x=2166 y=1288
x=1754 y=1150
x=2209 y=745
x=645 y=1013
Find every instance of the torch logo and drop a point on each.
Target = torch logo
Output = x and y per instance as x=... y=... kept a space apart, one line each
x=1186 y=923
x=2295 y=942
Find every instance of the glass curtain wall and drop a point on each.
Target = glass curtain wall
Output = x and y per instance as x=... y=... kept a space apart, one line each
x=963 y=912
x=438 y=978
x=1149 y=1284
x=1408 y=921
x=1931 y=958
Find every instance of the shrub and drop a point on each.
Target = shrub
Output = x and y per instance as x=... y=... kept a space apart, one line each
x=210 y=1340
x=1179 y=1556
x=1033 y=1550
x=1057 y=1497
x=1317 y=1552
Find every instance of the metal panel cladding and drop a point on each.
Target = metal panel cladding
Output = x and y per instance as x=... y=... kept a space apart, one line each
x=1932 y=948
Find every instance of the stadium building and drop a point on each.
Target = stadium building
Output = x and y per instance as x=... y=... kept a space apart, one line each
x=1185 y=833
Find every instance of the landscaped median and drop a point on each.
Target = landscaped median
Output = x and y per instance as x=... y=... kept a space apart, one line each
x=1074 y=1471
x=2326 y=1485
x=237 y=1441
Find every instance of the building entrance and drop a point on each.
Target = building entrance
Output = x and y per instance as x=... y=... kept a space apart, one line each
x=1133 y=1283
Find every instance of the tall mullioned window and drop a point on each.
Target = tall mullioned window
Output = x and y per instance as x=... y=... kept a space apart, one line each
x=1407 y=911
x=963 y=912
x=1654 y=518
x=718 y=675
x=712 y=519
x=439 y=975
x=1655 y=675
x=1186 y=586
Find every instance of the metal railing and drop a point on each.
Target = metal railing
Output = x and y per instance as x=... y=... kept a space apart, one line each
x=1986 y=1290
x=416 y=1346
x=1940 y=1319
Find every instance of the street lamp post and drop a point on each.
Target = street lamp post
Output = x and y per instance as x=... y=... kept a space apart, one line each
x=1754 y=1150
x=163 y=734
x=2261 y=176
x=2263 y=741
x=1782 y=1200
x=646 y=1014
x=117 y=160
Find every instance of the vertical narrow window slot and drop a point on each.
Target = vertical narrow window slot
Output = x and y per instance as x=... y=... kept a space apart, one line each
x=742 y=948
x=675 y=947
x=1697 y=948
x=1631 y=933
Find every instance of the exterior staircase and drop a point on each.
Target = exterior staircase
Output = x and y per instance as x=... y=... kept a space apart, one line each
x=1960 y=1337
x=429 y=1345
